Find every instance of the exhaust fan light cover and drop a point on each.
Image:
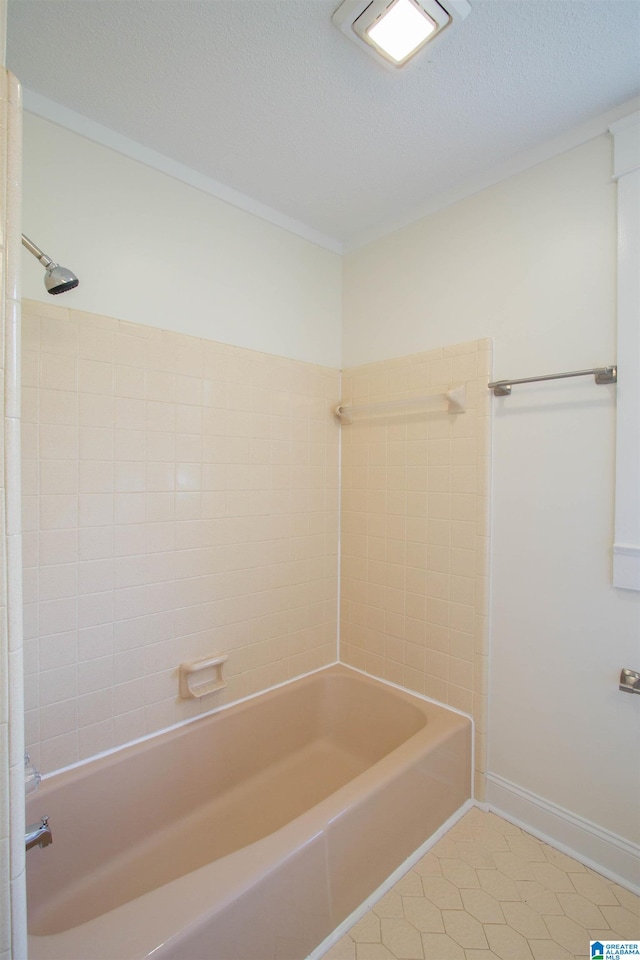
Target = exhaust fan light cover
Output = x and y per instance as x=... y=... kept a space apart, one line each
x=395 y=30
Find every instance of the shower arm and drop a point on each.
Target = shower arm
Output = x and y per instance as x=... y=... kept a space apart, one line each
x=57 y=279
x=36 y=251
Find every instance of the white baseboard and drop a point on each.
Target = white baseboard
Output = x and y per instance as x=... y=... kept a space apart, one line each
x=603 y=851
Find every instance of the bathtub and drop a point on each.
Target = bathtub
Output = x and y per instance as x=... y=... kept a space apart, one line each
x=248 y=834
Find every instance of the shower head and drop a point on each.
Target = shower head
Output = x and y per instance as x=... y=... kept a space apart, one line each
x=57 y=279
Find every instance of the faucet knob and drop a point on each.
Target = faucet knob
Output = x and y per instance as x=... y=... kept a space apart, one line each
x=32 y=776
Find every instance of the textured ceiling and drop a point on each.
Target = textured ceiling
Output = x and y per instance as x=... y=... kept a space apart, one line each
x=269 y=98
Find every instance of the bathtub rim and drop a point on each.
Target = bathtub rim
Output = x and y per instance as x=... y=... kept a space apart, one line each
x=253 y=696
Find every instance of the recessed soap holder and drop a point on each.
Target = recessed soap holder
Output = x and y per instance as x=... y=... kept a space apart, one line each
x=200 y=677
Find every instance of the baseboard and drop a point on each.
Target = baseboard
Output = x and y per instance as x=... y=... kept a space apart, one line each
x=600 y=849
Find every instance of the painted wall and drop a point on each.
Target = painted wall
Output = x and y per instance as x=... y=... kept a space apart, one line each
x=144 y=245
x=531 y=264
x=3 y=32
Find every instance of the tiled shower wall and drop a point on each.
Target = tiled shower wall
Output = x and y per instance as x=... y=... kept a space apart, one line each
x=180 y=499
x=415 y=529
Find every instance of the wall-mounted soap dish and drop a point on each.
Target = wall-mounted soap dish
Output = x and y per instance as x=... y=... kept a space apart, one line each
x=200 y=677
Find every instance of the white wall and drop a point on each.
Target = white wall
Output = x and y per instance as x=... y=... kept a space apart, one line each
x=626 y=550
x=3 y=32
x=152 y=250
x=531 y=263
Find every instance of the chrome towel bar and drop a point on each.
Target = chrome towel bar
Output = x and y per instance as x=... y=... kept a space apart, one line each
x=502 y=388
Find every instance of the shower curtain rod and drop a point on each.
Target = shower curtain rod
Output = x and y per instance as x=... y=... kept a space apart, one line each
x=502 y=388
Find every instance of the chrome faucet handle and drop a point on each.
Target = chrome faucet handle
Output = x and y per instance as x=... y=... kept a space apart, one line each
x=32 y=776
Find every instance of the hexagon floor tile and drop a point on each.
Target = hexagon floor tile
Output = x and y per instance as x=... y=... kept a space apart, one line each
x=490 y=891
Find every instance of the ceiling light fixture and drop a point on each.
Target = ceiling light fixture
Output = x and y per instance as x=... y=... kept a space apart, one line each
x=395 y=30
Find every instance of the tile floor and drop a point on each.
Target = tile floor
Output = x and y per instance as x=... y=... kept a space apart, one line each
x=489 y=890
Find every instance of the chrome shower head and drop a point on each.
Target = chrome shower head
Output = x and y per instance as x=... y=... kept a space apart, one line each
x=57 y=279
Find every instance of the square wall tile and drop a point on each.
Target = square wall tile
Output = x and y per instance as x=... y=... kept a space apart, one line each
x=181 y=498
x=414 y=527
